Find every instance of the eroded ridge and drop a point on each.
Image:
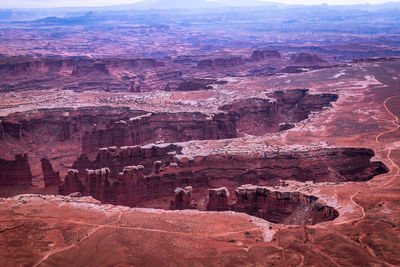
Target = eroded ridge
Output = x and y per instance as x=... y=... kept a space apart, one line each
x=107 y=126
x=274 y=204
x=133 y=175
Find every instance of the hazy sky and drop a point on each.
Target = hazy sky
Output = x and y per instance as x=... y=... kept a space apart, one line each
x=69 y=3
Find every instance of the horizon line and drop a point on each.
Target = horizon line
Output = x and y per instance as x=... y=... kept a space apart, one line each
x=211 y=1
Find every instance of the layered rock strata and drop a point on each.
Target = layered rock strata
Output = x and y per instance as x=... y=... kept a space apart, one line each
x=218 y=199
x=15 y=172
x=282 y=207
x=182 y=199
x=259 y=55
x=133 y=177
x=50 y=177
x=88 y=129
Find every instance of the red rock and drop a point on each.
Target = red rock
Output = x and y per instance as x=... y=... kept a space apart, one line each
x=72 y=183
x=304 y=58
x=51 y=177
x=259 y=55
x=127 y=188
x=282 y=207
x=95 y=69
x=220 y=63
x=183 y=199
x=15 y=172
x=218 y=199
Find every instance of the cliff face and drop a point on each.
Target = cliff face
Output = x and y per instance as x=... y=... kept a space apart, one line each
x=50 y=176
x=298 y=104
x=74 y=66
x=255 y=116
x=132 y=176
x=259 y=55
x=182 y=199
x=15 y=172
x=95 y=69
x=282 y=207
x=88 y=129
x=221 y=63
x=72 y=183
x=305 y=59
x=72 y=132
x=167 y=127
x=218 y=199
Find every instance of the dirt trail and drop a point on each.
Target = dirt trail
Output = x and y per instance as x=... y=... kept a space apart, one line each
x=109 y=225
x=395 y=166
x=91 y=232
x=396 y=123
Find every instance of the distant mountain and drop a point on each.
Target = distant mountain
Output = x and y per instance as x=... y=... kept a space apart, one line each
x=192 y=5
x=246 y=3
x=176 y=4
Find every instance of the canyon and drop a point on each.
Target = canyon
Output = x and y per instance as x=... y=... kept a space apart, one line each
x=263 y=135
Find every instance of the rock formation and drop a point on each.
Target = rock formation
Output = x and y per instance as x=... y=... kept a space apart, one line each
x=15 y=172
x=182 y=199
x=307 y=59
x=51 y=177
x=95 y=69
x=282 y=207
x=72 y=183
x=96 y=181
x=259 y=55
x=218 y=199
x=133 y=174
x=285 y=126
x=76 y=66
x=87 y=130
x=198 y=84
x=220 y=63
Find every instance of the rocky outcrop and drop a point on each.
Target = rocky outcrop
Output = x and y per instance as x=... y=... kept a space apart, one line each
x=220 y=63
x=96 y=181
x=218 y=199
x=76 y=66
x=259 y=55
x=134 y=88
x=198 y=84
x=375 y=59
x=138 y=174
x=95 y=69
x=285 y=126
x=296 y=105
x=282 y=207
x=255 y=116
x=72 y=183
x=125 y=158
x=51 y=178
x=15 y=172
x=11 y=128
x=88 y=129
x=307 y=59
x=182 y=199
x=166 y=127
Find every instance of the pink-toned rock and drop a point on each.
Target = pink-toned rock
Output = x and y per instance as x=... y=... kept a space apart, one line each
x=51 y=177
x=218 y=199
x=15 y=172
x=182 y=199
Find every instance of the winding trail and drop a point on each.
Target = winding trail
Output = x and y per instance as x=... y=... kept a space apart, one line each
x=396 y=167
x=356 y=204
x=396 y=123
